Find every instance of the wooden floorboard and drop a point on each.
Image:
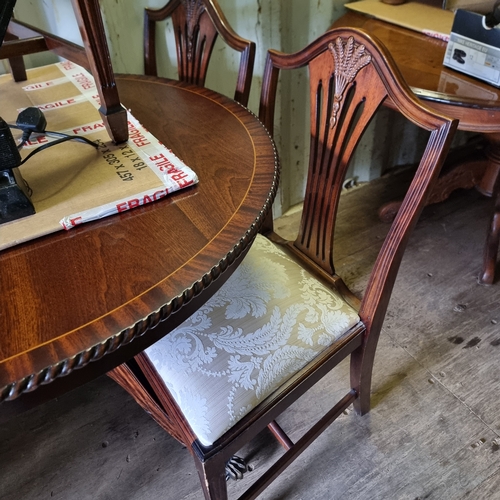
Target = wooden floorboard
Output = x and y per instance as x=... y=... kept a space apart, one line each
x=433 y=432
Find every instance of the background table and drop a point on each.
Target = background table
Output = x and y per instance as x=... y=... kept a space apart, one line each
x=474 y=103
x=75 y=304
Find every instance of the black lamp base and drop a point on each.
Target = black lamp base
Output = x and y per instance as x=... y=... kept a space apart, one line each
x=15 y=201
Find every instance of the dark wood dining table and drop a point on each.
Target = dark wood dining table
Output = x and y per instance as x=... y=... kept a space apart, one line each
x=75 y=304
x=420 y=59
x=475 y=103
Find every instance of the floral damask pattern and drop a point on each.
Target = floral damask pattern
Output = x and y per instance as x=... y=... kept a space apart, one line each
x=267 y=322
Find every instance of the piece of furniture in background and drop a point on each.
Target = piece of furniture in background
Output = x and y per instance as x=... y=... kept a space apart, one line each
x=77 y=303
x=196 y=25
x=492 y=240
x=22 y=39
x=285 y=318
x=475 y=103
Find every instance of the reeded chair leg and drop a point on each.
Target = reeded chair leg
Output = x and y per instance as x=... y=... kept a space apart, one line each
x=212 y=475
x=361 y=379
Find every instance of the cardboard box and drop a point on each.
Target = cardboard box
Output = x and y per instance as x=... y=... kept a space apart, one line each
x=474 y=49
x=73 y=182
x=427 y=19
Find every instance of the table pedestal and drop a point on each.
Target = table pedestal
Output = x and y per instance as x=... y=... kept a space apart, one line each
x=464 y=168
x=490 y=186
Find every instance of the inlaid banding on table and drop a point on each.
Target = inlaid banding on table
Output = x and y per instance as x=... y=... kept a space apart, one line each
x=151 y=314
x=98 y=351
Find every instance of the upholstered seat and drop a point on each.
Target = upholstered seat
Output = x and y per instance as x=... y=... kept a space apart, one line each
x=268 y=321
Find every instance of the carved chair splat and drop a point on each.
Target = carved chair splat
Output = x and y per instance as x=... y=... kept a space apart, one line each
x=284 y=318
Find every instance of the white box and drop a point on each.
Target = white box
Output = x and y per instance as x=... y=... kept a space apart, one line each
x=474 y=49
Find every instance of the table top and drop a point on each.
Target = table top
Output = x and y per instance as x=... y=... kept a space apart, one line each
x=83 y=301
x=420 y=60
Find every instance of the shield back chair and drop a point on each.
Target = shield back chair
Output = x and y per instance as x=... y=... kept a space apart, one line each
x=196 y=24
x=22 y=39
x=284 y=318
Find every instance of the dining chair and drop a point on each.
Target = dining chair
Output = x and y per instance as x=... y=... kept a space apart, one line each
x=196 y=25
x=285 y=318
x=23 y=39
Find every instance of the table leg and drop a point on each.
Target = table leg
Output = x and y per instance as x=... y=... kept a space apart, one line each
x=487 y=275
x=464 y=168
x=487 y=184
x=114 y=115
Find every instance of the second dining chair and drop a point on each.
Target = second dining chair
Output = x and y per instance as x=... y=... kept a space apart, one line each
x=196 y=25
x=285 y=318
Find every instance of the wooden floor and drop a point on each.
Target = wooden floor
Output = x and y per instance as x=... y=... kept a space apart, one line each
x=433 y=432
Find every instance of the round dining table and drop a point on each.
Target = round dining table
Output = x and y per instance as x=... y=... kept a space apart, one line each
x=75 y=304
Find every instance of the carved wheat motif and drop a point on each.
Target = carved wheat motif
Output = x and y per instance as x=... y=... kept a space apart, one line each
x=194 y=10
x=349 y=58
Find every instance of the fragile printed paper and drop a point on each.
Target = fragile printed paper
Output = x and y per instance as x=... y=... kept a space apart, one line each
x=73 y=182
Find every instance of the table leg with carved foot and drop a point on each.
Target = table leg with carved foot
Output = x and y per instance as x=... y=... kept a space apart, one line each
x=487 y=275
x=472 y=165
x=235 y=468
x=487 y=184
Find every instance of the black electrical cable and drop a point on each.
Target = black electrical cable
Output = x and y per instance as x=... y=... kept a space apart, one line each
x=31 y=120
x=24 y=138
x=492 y=19
x=54 y=143
x=64 y=137
x=75 y=137
x=27 y=134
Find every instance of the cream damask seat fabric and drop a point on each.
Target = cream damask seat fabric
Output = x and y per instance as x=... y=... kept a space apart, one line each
x=266 y=323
